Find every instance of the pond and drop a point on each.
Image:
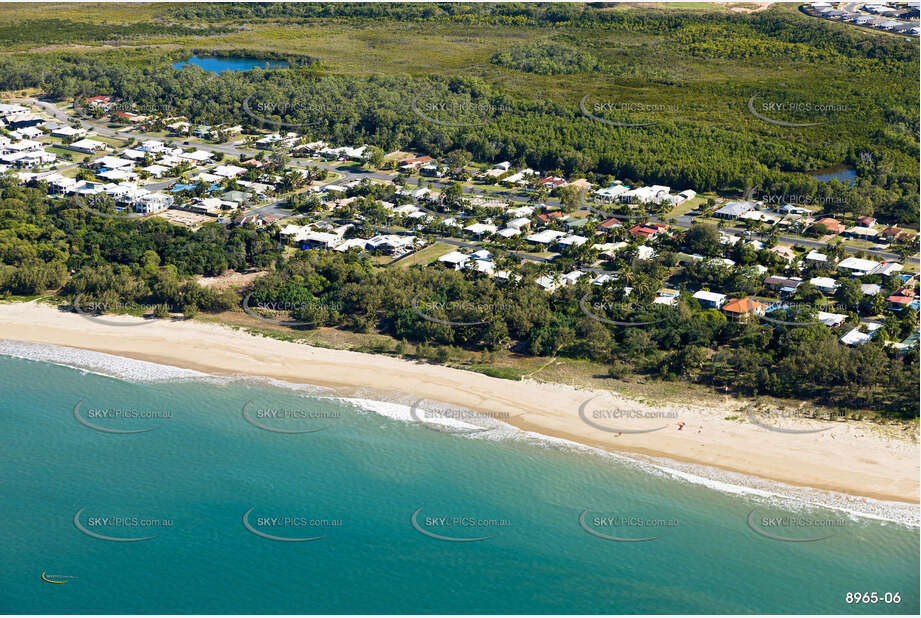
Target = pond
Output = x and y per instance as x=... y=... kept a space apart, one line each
x=219 y=64
x=845 y=174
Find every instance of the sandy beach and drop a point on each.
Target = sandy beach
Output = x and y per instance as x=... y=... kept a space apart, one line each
x=858 y=459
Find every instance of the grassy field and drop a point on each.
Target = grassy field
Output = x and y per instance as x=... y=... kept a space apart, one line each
x=426 y=255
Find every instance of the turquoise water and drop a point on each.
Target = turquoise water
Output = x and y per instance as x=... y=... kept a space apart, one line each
x=219 y=64
x=203 y=466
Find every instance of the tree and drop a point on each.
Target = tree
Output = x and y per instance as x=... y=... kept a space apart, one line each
x=703 y=239
x=373 y=157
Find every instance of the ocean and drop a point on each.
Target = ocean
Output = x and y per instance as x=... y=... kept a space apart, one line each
x=253 y=496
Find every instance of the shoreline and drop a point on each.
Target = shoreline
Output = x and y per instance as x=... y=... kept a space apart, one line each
x=851 y=458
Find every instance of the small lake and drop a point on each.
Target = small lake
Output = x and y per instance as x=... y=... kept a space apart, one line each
x=845 y=174
x=219 y=64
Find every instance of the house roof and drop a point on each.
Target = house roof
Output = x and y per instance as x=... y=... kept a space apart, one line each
x=710 y=296
x=743 y=305
x=735 y=209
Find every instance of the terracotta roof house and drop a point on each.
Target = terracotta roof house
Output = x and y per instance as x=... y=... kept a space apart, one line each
x=894 y=233
x=415 y=162
x=832 y=225
x=552 y=181
x=743 y=308
x=647 y=230
x=610 y=223
x=867 y=221
x=547 y=216
x=784 y=251
x=897 y=301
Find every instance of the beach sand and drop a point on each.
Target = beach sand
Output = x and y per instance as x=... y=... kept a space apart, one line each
x=859 y=459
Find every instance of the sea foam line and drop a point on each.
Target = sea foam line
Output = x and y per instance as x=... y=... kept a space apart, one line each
x=779 y=494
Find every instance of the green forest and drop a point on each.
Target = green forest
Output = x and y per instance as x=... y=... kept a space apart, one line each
x=697 y=135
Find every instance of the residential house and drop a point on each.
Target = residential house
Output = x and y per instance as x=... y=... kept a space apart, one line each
x=734 y=210
x=67 y=132
x=860 y=334
x=785 y=285
x=826 y=285
x=648 y=231
x=710 y=300
x=547 y=217
x=480 y=229
x=611 y=193
x=88 y=146
x=857 y=266
x=610 y=224
x=519 y=223
x=414 y=162
x=552 y=182
x=739 y=309
x=153 y=202
x=832 y=225
x=860 y=232
x=572 y=240
x=645 y=195
x=545 y=237
x=892 y=234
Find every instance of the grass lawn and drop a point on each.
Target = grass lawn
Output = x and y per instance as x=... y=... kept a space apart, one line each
x=425 y=256
x=684 y=207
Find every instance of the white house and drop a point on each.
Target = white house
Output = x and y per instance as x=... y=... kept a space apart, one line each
x=545 y=237
x=710 y=300
x=479 y=229
x=611 y=193
x=155 y=170
x=455 y=259
x=228 y=171
x=645 y=195
x=857 y=266
x=826 y=285
x=153 y=202
x=68 y=132
x=856 y=337
x=88 y=146
x=519 y=223
x=198 y=156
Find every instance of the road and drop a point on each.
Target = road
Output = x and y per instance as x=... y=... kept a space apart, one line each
x=351 y=173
